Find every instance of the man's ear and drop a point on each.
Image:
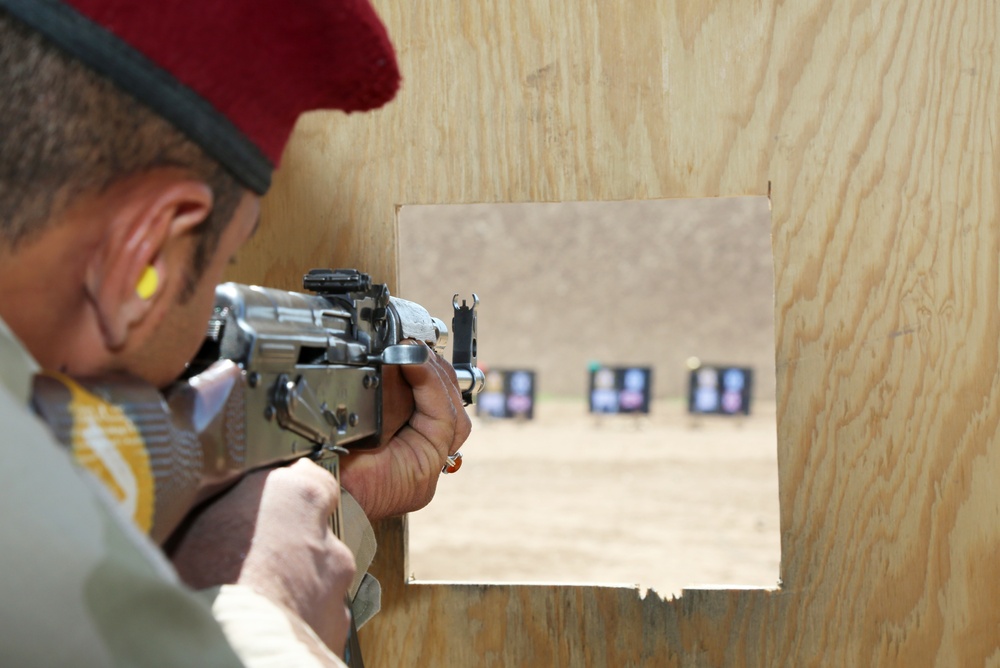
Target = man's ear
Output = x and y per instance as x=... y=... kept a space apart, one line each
x=145 y=252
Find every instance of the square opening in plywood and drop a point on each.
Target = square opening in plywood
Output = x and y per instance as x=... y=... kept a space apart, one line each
x=664 y=499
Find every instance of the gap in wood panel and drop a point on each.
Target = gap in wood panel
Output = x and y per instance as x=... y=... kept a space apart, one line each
x=666 y=500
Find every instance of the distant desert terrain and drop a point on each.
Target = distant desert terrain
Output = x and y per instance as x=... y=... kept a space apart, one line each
x=663 y=501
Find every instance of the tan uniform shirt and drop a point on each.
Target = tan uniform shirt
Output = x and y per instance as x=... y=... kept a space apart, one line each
x=80 y=585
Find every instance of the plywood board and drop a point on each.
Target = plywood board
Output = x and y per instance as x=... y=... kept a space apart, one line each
x=871 y=125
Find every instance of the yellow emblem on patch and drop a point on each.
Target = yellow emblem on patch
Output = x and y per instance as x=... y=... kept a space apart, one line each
x=108 y=444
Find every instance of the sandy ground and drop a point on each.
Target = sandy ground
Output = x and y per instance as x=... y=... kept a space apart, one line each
x=664 y=502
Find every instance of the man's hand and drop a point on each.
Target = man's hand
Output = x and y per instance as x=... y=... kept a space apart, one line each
x=271 y=532
x=424 y=423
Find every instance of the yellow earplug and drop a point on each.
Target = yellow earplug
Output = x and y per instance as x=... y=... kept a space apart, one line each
x=148 y=283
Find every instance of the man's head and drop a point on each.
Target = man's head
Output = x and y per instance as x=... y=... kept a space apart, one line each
x=137 y=137
x=69 y=132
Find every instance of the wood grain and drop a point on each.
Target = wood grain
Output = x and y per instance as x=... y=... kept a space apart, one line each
x=872 y=127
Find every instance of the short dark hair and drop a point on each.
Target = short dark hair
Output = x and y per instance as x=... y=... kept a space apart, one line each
x=67 y=131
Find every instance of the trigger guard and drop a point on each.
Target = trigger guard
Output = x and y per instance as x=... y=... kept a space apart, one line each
x=405 y=354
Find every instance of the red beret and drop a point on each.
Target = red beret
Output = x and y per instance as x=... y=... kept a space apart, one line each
x=234 y=75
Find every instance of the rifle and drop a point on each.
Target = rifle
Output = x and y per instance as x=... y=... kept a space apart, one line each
x=280 y=376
